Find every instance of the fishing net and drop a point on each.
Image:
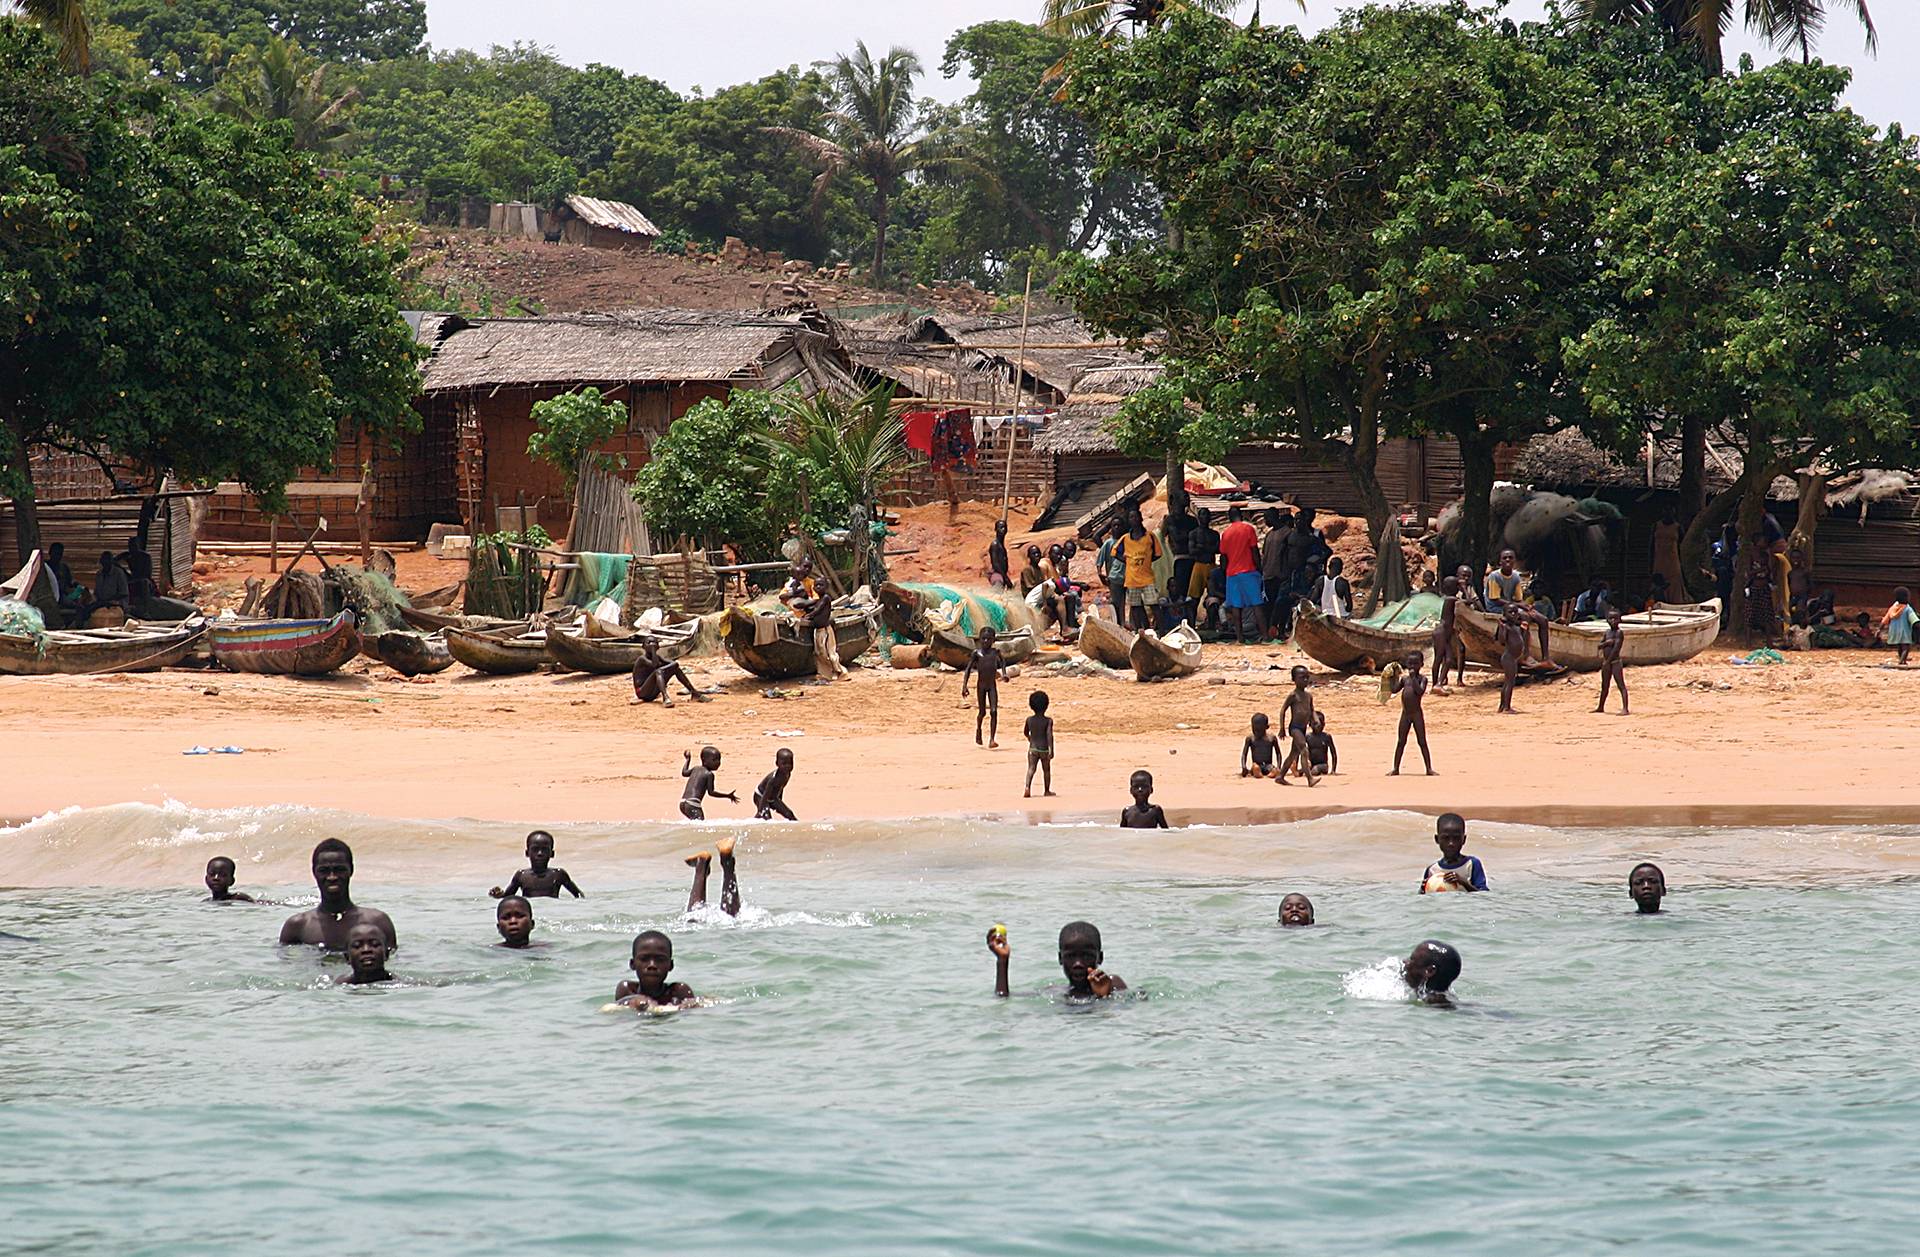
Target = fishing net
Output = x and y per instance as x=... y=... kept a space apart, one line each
x=971 y=611
x=598 y=576
x=373 y=599
x=17 y=619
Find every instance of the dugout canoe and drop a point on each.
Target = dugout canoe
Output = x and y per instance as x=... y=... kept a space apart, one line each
x=413 y=654
x=790 y=653
x=1368 y=643
x=954 y=648
x=428 y=621
x=605 y=656
x=1105 y=642
x=499 y=654
x=1670 y=633
x=303 y=648
x=1175 y=655
x=92 y=652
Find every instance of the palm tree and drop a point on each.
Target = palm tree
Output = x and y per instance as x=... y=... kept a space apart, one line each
x=867 y=131
x=1096 y=19
x=278 y=81
x=1783 y=24
x=67 y=21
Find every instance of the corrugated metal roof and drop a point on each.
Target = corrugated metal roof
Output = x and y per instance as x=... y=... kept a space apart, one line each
x=615 y=215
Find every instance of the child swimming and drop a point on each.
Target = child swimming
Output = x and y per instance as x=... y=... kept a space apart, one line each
x=220 y=875
x=1296 y=910
x=652 y=961
x=367 y=955
x=1080 y=957
x=514 y=919
x=1452 y=871
x=537 y=880
x=1430 y=970
x=1647 y=886
x=702 y=863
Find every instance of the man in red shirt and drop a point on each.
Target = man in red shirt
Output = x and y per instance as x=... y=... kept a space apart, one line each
x=1240 y=551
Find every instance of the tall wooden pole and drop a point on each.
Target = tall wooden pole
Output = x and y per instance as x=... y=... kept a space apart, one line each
x=1019 y=369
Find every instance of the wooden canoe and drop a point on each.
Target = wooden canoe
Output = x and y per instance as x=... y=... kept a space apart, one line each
x=1369 y=643
x=303 y=648
x=605 y=656
x=428 y=621
x=901 y=606
x=1670 y=633
x=1105 y=642
x=1175 y=655
x=954 y=648
x=413 y=654
x=498 y=654
x=790 y=654
x=90 y=652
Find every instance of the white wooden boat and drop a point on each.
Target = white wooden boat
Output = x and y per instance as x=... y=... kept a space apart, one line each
x=1175 y=655
x=1670 y=633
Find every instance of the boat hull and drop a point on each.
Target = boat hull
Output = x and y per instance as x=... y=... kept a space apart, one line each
x=955 y=649
x=498 y=656
x=302 y=648
x=1176 y=655
x=791 y=656
x=1347 y=646
x=606 y=656
x=1670 y=633
x=1105 y=642
x=90 y=653
x=413 y=654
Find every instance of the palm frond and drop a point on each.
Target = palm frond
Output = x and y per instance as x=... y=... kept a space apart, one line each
x=66 y=20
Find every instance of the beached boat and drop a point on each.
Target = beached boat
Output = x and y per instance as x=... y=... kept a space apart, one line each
x=954 y=648
x=1670 y=633
x=1367 y=643
x=428 y=621
x=413 y=654
x=607 y=655
x=499 y=654
x=788 y=650
x=1175 y=655
x=91 y=652
x=1105 y=642
x=304 y=648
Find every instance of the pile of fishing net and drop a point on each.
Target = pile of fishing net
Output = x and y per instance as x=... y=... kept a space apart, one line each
x=969 y=611
x=17 y=619
x=373 y=598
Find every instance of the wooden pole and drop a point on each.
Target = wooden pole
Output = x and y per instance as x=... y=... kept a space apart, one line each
x=273 y=543
x=363 y=513
x=1019 y=369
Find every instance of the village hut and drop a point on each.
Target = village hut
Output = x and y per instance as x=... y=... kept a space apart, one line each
x=599 y=224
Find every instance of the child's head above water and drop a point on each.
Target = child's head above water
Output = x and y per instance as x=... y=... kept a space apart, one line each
x=1450 y=834
x=1140 y=786
x=1432 y=967
x=1079 y=951
x=220 y=875
x=652 y=959
x=514 y=919
x=1647 y=886
x=367 y=951
x=539 y=847
x=1296 y=909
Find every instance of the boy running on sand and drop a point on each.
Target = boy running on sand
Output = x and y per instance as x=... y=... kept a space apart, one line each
x=986 y=666
x=702 y=864
x=770 y=796
x=1612 y=671
x=1145 y=813
x=1297 y=715
x=538 y=880
x=1261 y=747
x=1080 y=957
x=1411 y=686
x=700 y=783
x=1039 y=734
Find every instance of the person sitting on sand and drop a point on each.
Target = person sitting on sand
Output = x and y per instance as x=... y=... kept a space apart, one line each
x=1296 y=910
x=1080 y=958
x=328 y=923
x=1613 y=673
x=1297 y=715
x=700 y=783
x=652 y=961
x=367 y=953
x=1144 y=812
x=770 y=796
x=1411 y=686
x=1647 y=886
x=1453 y=870
x=1430 y=970
x=513 y=917
x=702 y=864
x=986 y=667
x=1322 y=754
x=1039 y=734
x=220 y=875
x=538 y=880
x=652 y=674
x=1260 y=747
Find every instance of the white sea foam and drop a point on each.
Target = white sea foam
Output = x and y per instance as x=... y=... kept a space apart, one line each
x=1381 y=980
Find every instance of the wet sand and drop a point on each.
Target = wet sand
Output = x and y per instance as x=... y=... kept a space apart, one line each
x=1824 y=737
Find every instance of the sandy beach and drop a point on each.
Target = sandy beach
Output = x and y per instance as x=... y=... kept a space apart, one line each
x=1708 y=742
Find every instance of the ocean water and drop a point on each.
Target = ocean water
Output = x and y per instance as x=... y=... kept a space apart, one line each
x=1736 y=1075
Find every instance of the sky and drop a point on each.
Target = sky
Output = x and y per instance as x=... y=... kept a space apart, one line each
x=715 y=43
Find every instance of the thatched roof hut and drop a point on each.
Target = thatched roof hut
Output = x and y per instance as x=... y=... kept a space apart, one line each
x=1081 y=427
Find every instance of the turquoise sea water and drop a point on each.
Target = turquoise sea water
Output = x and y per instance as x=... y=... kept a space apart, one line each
x=1738 y=1074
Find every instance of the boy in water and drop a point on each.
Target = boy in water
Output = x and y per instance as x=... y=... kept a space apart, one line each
x=367 y=954
x=514 y=919
x=1080 y=957
x=1446 y=636
x=1039 y=734
x=328 y=923
x=1296 y=910
x=986 y=667
x=1261 y=747
x=1452 y=871
x=1411 y=686
x=1297 y=715
x=700 y=783
x=1430 y=971
x=702 y=863
x=1647 y=886
x=770 y=796
x=651 y=962
x=538 y=880
x=1144 y=814
x=220 y=875
x=1322 y=754
x=1612 y=671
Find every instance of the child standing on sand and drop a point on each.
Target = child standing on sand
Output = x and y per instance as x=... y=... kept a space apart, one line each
x=1039 y=734
x=986 y=667
x=1898 y=623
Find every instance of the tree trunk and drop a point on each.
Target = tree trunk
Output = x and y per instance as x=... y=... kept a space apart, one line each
x=1761 y=467
x=1813 y=504
x=26 y=510
x=1476 y=500
x=881 y=211
x=1361 y=461
x=1176 y=482
x=1694 y=543
x=1693 y=467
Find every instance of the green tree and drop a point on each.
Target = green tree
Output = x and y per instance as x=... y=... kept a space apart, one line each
x=182 y=293
x=1702 y=25
x=570 y=427
x=825 y=454
x=280 y=83
x=1099 y=19
x=190 y=40
x=66 y=21
x=869 y=132
x=701 y=480
x=1769 y=274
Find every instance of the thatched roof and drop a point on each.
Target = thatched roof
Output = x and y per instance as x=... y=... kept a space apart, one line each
x=1057 y=369
x=1081 y=426
x=1569 y=460
x=939 y=370
x=641 y=346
